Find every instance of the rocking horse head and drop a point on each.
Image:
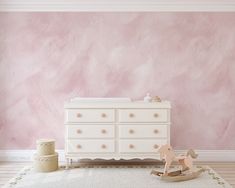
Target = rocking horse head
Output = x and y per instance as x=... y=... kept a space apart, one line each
x=166 y=150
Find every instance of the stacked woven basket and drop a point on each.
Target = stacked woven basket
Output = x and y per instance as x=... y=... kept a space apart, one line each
x=46 y=159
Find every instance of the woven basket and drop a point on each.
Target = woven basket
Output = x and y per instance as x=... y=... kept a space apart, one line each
x=45 y=147
x=47 y=163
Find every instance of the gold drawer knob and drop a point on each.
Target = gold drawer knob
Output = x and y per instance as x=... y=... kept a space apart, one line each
x=131 y=131
x=103 y=146
x=155 y=115
x=155 y=146
x=79 y=131
x=103 y=131
x=131 y=115
x=103 y=115
x=79 y=146
x=131 y=146
x=79 y=115
x=155 y=131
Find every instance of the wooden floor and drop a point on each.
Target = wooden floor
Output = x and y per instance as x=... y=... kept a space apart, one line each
x=226 y=170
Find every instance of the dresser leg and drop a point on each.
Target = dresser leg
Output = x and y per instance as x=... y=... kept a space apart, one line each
x=67 y=163
x=71 y=162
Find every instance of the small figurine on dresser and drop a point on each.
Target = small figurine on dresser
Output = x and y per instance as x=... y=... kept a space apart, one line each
x=147 y=98
x=187 y=171
x=156 y=99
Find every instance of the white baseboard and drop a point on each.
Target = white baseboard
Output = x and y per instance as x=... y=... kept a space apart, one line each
x=23 y=155
x=204 y=155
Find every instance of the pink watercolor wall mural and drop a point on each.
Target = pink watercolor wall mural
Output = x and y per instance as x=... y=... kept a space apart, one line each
x=188 y=58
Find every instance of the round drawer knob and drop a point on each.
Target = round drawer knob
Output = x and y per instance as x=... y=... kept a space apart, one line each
x=131 y=146
x=155 y=146
x=155 y=115
x=131 y=115
x=79 y=146
x=103 y=131
x=155 y=131
x=103 y=146
x=79 y=131
x=103 y=115
x=131 y=131
x=79 y=115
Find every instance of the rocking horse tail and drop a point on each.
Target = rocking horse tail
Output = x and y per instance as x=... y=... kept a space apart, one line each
x=192 y=154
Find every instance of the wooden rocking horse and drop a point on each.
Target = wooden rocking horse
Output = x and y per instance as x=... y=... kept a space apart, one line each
x=185 y=160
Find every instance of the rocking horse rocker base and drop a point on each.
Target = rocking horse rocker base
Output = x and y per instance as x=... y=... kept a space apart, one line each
x=177 y=175
x=187 y=171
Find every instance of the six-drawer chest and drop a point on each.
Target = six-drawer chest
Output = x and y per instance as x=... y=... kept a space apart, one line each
x=115 y=129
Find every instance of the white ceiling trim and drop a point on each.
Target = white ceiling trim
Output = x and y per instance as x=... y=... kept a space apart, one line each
x=118 y=5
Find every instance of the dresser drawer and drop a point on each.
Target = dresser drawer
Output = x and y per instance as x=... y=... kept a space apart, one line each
x=90 y=146
x=90 y=115
x=143 y=131
x=90 y=131
x=143 y=115
x=140 y=146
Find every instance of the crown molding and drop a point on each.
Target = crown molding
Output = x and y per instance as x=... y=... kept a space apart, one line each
x=117 y=5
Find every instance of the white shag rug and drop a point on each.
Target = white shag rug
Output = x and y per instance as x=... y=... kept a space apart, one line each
x=109 y=177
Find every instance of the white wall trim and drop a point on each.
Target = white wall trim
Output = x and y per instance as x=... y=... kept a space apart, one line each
x=23 y=155
x=118 y=5
x=204 y=155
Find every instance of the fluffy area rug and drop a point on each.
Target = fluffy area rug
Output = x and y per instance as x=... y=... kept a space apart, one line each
x=111 y=176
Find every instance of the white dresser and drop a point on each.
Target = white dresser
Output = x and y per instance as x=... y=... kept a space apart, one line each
x=115 y=129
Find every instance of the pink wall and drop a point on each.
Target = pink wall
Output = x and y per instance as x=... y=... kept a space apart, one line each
x=188 y=58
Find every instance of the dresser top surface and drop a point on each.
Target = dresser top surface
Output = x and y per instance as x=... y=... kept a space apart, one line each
x=109 y=104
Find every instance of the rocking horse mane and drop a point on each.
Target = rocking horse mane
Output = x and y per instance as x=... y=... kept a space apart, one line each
x=192 y=153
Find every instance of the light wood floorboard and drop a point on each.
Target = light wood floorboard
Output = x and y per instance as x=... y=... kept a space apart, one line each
x=225 y=170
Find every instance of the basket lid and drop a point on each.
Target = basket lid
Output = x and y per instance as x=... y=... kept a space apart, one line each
x=45 y=140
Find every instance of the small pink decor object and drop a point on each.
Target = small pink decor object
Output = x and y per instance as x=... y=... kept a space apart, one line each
x=187 y=170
